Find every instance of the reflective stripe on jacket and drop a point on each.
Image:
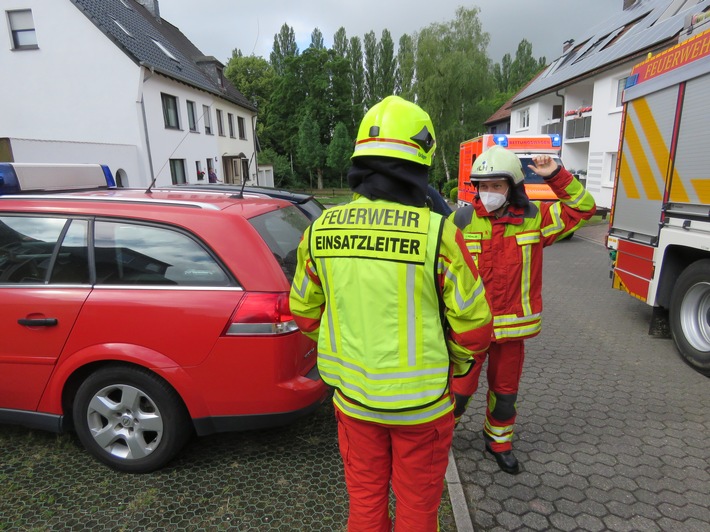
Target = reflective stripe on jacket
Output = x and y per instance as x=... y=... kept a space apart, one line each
x=508 y=251
x=372 y=281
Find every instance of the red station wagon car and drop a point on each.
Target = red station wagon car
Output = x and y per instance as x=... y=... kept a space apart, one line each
x=142 y=317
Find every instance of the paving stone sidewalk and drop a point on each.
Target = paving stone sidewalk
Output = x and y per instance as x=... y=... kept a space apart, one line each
x=613 y=428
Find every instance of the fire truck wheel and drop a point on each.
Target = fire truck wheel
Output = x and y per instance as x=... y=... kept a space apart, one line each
x=690 y=315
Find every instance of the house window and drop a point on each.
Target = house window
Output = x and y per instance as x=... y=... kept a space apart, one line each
x=525 y=119
x=170 y=111
x=177 y=171
x=192 y=115
x=230 y=121
x=208 y=119
x=242 y=129
x=220 y=124
x=612 y=169
x=620 y=91
x=22 y=28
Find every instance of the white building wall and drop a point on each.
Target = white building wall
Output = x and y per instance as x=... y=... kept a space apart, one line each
x=80 y=98
x=606 y=131
x=71 y=107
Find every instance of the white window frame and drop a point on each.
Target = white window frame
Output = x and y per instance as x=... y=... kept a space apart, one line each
x=620 y=84
x=242 y=128
x=192 y=115
x=207 y=119
x=22 y=29
x=171 y=113
x=230 y=122
x=524 y=115
x=178 y=176
x=220 y=123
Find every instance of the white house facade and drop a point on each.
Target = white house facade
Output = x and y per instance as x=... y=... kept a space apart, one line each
x=580 y=94
x=109 y=81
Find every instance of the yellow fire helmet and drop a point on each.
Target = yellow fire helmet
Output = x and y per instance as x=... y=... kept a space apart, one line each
x=396 y=128
x=497 y=163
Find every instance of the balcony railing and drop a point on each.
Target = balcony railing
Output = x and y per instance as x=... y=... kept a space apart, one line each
x=578 y=128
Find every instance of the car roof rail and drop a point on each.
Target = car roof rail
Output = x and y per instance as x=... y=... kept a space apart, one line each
x=118 y=199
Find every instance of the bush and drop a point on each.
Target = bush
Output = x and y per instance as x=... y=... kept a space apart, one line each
x=454 y=194
x=446 y=189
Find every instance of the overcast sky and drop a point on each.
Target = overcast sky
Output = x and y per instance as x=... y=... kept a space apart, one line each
x=218 y=26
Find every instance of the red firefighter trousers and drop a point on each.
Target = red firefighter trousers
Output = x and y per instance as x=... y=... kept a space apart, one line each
x=505 y=367
x=412 y=457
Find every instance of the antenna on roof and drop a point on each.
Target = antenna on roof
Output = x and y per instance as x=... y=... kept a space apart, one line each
x=244 y=178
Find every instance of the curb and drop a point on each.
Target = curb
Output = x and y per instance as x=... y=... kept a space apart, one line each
x=462 y=516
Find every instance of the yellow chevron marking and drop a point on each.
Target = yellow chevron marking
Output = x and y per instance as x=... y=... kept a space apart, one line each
x=628 y=180
x=650 y=130
x=659 y=149
x=702 y=189
x=643 y=168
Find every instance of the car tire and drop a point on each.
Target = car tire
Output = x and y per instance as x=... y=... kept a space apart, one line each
x=690 y=315
x=130 y=419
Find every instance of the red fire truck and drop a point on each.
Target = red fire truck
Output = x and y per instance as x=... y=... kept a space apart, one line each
x=525 y=147
x=659 y=236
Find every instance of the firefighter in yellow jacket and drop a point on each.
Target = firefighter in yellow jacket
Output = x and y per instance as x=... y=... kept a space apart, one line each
x=392 y=297
x=506 y=233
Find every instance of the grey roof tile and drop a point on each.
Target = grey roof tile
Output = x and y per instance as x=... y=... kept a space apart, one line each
x=628 y=35
x=140 y=45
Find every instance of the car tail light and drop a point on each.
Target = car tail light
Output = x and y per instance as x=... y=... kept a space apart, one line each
x=262 y=314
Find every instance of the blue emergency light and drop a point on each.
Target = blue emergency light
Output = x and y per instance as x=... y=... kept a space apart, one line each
x=8 y=180
x=501 y=140
x=18 y=178
x=556 y=141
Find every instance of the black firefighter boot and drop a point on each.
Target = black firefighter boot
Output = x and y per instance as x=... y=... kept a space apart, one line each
x=506 y=459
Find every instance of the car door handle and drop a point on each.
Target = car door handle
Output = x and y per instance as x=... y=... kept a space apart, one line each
x=39 y=322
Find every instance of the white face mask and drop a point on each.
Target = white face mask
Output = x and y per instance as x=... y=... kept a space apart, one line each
x=492 y=201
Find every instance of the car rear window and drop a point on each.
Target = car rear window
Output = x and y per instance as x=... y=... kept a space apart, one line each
x=531 y=177
x=282 y=230
x=312 y=208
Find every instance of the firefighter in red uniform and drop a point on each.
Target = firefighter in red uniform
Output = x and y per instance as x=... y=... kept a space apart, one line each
x=505 y=233
x=393 y=298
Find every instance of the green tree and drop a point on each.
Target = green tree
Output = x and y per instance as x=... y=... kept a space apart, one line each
x=372 y=96
x=451 y=83
x=524 y=66
x=281 y=129
x=404 y=77
x=317 y=40
x=357 y=80
x=386 y=65
x=502 y=74
x=284 y=47
x=283 y=173
x=253 y=76
x=340 y=150
x=340 y=43
x=310 y=150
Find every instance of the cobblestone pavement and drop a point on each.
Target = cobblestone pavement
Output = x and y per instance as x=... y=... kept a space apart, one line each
x=613 y=428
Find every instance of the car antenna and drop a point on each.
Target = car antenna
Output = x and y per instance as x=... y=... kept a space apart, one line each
x=244 y=181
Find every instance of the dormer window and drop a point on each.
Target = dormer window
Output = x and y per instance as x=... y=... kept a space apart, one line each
x=164 y=50
x=123 y=28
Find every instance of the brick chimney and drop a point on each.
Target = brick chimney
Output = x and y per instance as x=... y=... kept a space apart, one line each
x=152 y=6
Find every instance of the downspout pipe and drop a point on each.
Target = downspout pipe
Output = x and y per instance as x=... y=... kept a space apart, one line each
x=562 y=121
x=256 y=161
